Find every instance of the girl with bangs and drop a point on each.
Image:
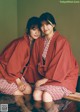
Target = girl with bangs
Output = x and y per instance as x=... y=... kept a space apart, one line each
x=13 y=61
x=52 y=66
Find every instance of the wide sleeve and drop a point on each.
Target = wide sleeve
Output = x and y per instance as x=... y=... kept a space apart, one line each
x=62 y=64
x=12 y=69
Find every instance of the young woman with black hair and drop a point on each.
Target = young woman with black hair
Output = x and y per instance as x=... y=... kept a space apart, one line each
x=13 y=61
x=53 y=68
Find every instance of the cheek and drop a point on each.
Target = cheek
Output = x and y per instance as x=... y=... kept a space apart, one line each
x=42 y=29
x=39 y=33
x=31 y=32
x=50 y=27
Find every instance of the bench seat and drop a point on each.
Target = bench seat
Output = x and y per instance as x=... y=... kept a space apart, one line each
x=73 y=96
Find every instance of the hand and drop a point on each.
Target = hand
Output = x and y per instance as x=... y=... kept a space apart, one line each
x=20 y=84
x=38 y=83
x=41 y=82
x=22 y=87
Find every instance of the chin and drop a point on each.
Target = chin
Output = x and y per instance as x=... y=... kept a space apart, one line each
x=36 y=38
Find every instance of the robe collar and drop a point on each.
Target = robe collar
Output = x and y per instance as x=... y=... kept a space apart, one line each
x=51 y=49
x=43 y=68
x=26 y=37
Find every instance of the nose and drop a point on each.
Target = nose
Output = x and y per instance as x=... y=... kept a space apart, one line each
x=44 y=27
x=37 y=31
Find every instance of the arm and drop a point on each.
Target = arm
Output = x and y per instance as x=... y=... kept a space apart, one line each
x=62 y=63
x=13 y=60
x=31 y=73
x=41 y=82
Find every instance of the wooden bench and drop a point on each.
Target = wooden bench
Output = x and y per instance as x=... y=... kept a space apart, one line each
x=75 y=96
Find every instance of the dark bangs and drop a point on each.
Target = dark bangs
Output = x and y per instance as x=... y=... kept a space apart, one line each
x=32 y=23
x=47 y=17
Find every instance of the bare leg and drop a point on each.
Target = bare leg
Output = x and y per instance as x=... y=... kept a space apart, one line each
x=49 y=105
x=27 y=95
x=28 y=101
x=37 y=95
x=20 y=101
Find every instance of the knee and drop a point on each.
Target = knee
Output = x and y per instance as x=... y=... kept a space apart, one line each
x=47 y=97
x=28 y=90
x=18 y=93
x=37 y=94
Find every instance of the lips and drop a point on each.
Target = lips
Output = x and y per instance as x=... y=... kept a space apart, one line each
x=36 y=35
x=45 y=30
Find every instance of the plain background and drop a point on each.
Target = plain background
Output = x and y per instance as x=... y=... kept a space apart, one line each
x=15 y=13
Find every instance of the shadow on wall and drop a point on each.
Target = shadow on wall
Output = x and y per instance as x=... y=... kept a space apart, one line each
x=78 y=84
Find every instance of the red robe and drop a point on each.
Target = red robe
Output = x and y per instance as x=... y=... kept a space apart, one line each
x=14 y=58
x=60 y=66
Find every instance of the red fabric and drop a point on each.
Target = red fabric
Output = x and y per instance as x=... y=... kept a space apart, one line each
x=14 y=58
x=60 y=67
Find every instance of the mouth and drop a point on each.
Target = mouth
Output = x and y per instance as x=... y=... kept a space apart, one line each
x=36 y=35
x=45 y=30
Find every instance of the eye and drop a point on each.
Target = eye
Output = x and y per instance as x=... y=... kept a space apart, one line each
x=33 y=28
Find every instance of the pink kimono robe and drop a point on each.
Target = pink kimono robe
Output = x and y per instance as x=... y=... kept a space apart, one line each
x=61 y=68
x=14 y=58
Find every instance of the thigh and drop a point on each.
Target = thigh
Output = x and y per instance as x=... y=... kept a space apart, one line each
x=56 y=92
x=7 y=88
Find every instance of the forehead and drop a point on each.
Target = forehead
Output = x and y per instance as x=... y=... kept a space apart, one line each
x=34 y=26
x=44 y=22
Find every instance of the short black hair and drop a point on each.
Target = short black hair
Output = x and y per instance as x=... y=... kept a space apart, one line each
x=32 y=23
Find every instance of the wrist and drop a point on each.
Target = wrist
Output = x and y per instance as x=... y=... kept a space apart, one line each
x=18 y=81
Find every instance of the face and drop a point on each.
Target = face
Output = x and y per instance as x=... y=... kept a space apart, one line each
x=35 y=33
x=47 y=28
